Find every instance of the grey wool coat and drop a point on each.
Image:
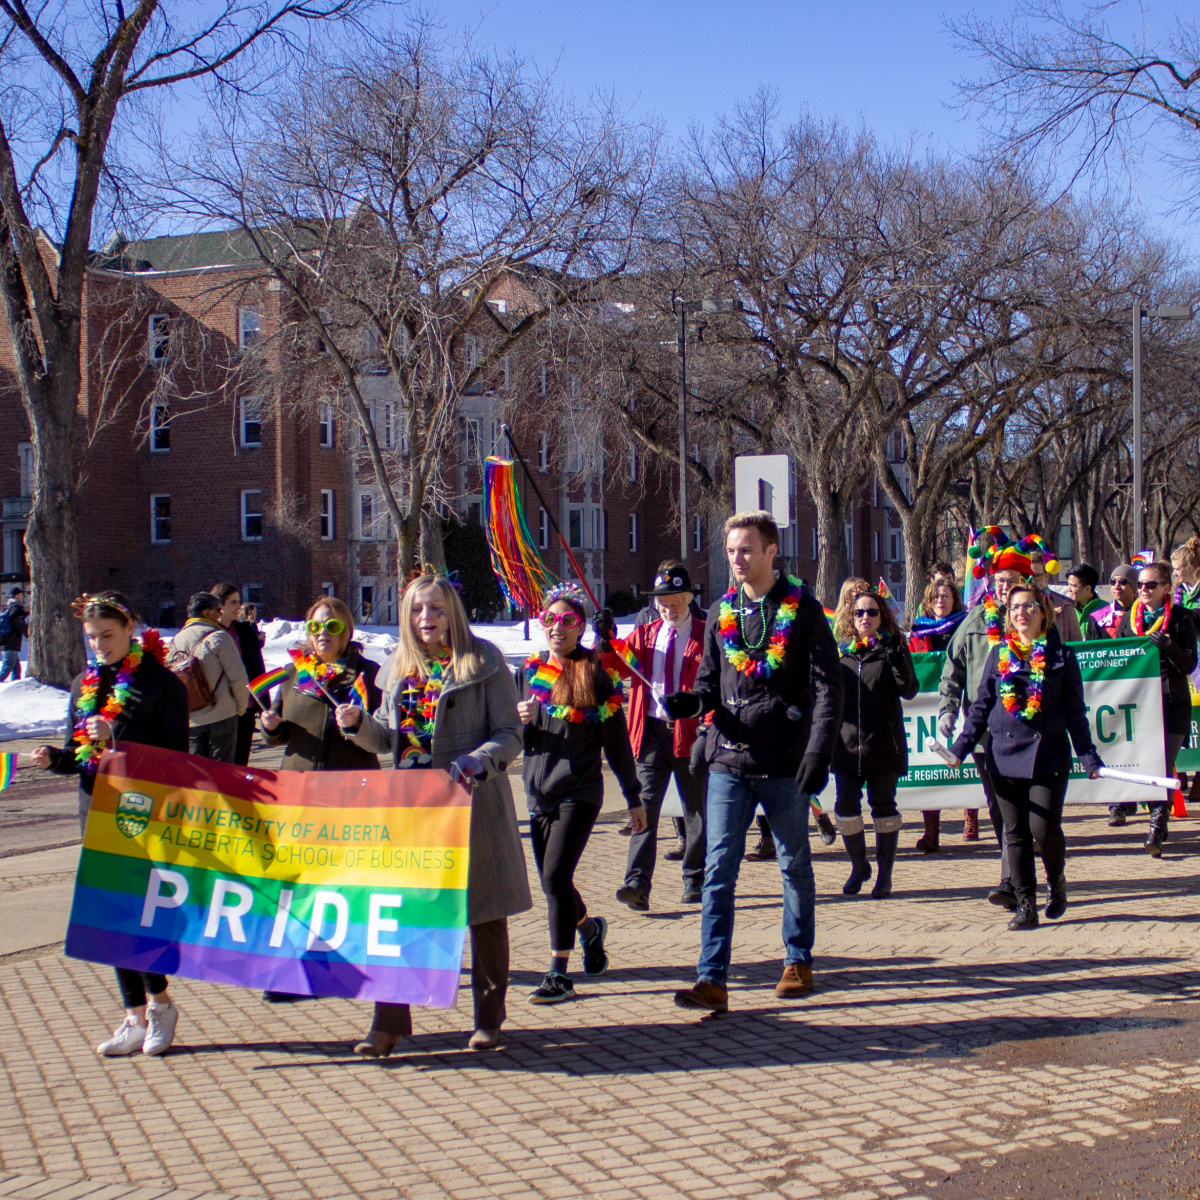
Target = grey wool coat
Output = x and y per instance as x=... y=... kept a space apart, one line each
x=474 y=716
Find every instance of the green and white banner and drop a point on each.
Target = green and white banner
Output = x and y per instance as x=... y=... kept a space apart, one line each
x=1123 y=694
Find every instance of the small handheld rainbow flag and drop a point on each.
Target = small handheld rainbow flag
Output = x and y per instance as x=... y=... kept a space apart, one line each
x=8 y=768
x=885 y=594
x=358 y=693
x=262 y=685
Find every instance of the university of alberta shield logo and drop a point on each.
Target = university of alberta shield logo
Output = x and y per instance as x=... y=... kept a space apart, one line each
x=133 y=812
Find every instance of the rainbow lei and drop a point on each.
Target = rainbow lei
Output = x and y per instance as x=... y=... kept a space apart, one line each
x=731 y=638
x=995 y=634
x=312 y=671
x=87 y=753
x=540 y=677
x=418 y=712
x=1138 y=618
x=1010 y=650
x=859 y=646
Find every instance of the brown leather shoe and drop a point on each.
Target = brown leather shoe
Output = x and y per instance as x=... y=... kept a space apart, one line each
x=376 y=1044
x=711 y=996
x=796 y=981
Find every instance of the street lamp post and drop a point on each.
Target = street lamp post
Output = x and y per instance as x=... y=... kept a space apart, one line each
x=1175 y=313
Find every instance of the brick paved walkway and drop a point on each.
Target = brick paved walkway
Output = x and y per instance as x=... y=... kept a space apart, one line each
x=936 y=1041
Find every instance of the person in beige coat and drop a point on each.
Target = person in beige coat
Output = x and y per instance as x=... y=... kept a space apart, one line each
x=441 y=668
x=212 y=731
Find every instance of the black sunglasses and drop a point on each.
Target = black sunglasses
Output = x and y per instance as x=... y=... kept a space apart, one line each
x=1119 y=583
x=866 y=612
x=1146 y=584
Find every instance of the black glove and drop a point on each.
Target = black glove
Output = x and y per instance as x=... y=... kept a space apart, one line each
x=605 y=624
x=1159 y=638
x=697 y=764
x=813 y=774
x=681 y=705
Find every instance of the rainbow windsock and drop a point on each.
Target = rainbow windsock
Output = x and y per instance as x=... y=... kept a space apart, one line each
x=8 y=768
x=519 y=569
x=321 y=883
x=358 y=693
x=262 y=685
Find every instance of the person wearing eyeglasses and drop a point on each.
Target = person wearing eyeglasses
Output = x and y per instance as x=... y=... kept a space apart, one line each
x=1170 y=627
x=571 y=710
x=1030 y=701
x=871 y=751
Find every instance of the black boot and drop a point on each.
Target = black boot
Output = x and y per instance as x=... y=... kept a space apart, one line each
x=826 y=829
x=1025 y=917
x=860 y=869
x=1004 y=896
x=1058 y=897
x=1116 y=815
x=765 y=850
x=885 y=856
x=1158 y=831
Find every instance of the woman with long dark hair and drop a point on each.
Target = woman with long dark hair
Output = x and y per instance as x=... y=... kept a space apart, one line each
x=124 y=695
x=572 y=713
x=449 y=702
x=871 y=751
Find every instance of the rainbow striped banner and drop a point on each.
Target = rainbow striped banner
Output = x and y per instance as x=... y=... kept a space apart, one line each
x=323 y=883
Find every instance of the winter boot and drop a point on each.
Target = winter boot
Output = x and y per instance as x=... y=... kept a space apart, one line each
x=1025 y=916
x=1159 y=815
x=928 y=841
x=970 y=824
x=856 y=846
x=887 y=835
x=765 y=850
x=1057 y=904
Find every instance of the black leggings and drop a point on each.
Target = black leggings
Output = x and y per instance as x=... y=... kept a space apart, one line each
x=1032 y=810
x=559 y=837
x=135 y=985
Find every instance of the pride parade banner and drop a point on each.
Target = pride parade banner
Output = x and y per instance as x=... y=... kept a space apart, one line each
x=323 y=883
x=1123 y=695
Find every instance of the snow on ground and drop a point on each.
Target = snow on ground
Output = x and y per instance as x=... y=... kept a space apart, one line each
x=32 y=709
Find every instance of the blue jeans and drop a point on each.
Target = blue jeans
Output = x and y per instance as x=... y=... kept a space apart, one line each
x=10 y=664
x=730 y=810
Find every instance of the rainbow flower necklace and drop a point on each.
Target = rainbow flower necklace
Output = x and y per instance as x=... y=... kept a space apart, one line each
x=733 y=639
x=991 y=610
x=859 y=645
x=418 y=713
x=541 y=674
x=1012 y=655
x=1138 y=618
x=87 y=752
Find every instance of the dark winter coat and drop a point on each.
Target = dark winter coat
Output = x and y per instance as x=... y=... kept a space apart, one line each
x=1027 y=749
x=766 y=726
x=16 y=627
x=1177 y=660
x=872 y=738
x=246 y=635
x=314 y=741
x=156 y=714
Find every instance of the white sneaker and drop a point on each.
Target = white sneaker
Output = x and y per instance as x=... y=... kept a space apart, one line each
x=160 y=1032
x=129 y=1036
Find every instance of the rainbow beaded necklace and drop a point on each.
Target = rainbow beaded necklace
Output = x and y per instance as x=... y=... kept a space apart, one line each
x=732 y=639
x=1012 y=655
x=418 y=713
x=1138 y=618
x=859 y=645
x=541 y=674
x=87 y=753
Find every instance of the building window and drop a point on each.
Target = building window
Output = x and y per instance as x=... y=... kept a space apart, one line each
x=542 y=373
x=252 y=593
x=543 y=529
x=251 y=420
x=249 y=328
x=326 y=515
x=471 y=426
x=875 y=546
x=633 y=464
x=814 y=545
x=366 y=602
x=325 y=424
x=366 y=516
x=848 y=531
x=604 y=542
x=895 y=549
x=597 y=530
x=697 y=533
x=543 y=452
x=389 y=426
x=252 y=518
x=160 y=519
x=505 y=371
x=159 y=338
x=633 y=533
x=473 y=351
x=575 y=528
x=328 y=589
x=160 y=427
x=25 y=457
x=575 y=454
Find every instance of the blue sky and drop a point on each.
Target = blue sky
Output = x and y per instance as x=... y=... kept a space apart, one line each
x=890 y=65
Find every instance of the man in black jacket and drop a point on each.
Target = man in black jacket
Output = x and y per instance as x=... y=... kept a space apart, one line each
x=773 y=683
x=13 y=622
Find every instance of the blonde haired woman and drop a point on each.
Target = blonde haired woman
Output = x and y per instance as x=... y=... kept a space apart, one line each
x=449 y=701
x=1185 y=564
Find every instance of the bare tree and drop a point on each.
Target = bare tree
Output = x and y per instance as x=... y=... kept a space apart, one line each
x=69 y=76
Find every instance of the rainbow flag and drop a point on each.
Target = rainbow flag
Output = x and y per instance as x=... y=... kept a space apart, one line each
x=358 y=693
x=324 y=883
x=262 y=684
x=306 y=681
x=8 y=768
x=622 y=650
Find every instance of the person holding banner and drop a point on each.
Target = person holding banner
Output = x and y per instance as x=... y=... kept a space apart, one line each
x=871 y=752
x=771 y=678
x=1029 y=700
x=449 y=702
x=572 y=714
x=667 y=654
x=940 y=614
x=125 y=695
x=1170 y=627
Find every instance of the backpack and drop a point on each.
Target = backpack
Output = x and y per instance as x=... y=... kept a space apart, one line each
x=6 y=622
x=189 y=670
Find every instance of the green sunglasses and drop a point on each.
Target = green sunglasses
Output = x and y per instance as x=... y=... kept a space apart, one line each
x=334 y=627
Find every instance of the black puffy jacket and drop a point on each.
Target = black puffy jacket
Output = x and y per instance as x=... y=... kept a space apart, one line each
x=872 y=735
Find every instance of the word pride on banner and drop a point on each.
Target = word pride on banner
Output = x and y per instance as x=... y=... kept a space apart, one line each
x=323 y=883
x=1123 y=695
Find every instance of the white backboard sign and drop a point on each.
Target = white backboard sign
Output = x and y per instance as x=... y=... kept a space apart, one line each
x=761 y=481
